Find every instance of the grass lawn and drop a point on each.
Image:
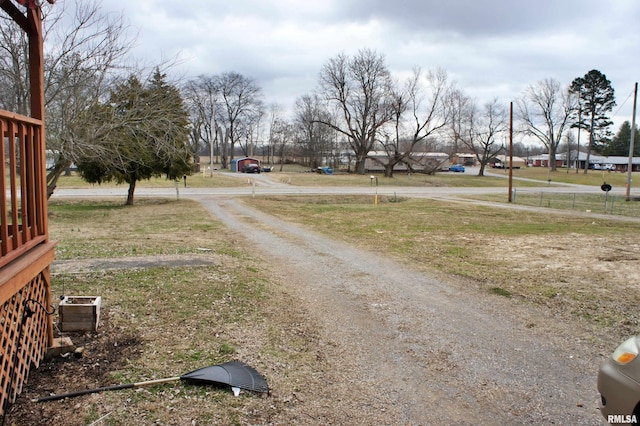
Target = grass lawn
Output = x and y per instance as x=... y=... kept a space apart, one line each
x=160 y=321
x=215 y=180
x=297 y=177
x=497 y=249
x=301 y=176
x=167 y=321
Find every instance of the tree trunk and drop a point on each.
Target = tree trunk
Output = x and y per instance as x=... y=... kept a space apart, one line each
x=388 y=169
x=196 y=162
x=53 y=176
x=132 y=188
x=552 y=157
x=586 y=166
x=224 y=147
x=361 y=157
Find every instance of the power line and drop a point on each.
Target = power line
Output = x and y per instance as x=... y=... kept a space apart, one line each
x=625 y=101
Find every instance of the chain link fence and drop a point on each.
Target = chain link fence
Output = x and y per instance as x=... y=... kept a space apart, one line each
x=596 y=203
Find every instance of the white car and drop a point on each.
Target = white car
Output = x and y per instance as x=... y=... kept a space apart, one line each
x=619 y=384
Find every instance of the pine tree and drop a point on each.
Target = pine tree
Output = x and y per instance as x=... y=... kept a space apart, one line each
x=597 y=99
x=619 y=145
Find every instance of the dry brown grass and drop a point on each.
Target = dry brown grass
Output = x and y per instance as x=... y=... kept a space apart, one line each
x=580 y=266
x=166 y=321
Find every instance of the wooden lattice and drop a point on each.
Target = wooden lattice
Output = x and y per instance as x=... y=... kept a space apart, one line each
x=24 y=343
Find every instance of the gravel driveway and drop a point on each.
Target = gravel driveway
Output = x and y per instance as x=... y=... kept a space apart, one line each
x=408 y=348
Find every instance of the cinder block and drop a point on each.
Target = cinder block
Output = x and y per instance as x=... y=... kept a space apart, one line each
x=61 y=346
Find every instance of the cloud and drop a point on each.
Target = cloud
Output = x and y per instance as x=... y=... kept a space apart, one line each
x=472 y=18
x=492 y=48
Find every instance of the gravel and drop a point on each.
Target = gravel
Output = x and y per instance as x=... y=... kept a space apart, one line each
x=405 y=347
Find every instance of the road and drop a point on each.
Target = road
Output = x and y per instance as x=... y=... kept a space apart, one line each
x=260 y=184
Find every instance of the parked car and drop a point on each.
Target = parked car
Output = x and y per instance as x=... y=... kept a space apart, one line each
x=267 y=169
x=325 y=170
x=619 y=384
x=457 y=168
x=251 y=168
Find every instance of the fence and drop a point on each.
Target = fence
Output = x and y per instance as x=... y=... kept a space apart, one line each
x=597 y=203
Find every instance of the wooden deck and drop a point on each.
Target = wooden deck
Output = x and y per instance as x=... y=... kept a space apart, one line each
x=26 y=254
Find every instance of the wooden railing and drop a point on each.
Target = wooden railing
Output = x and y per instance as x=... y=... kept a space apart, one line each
x=26 y=254
x=23 y=203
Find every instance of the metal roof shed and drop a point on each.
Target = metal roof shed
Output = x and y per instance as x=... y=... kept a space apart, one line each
x=237 y=164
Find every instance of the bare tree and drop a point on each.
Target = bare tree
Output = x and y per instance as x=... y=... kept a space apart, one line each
x=201 y=98
x=545 y=110
x=418 y=114
x=251 y=131
x=520 y=149
x=240 y=107
x=14 y=72
x=314 y=139
x=360 y=89
x=280 y=135
x=570 y=147
x=460 y=110
x=276 y=115
x=84 y=49
x=482 y=133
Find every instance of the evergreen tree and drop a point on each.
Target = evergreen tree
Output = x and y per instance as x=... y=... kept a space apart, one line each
x=171 y=134
x=619 y=145
x=597 y=99
x=146 y=135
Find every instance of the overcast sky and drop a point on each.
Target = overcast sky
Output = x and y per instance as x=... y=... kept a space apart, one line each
x=490 y=48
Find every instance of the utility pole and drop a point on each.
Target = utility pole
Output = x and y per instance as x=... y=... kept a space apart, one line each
x=579 y=131
x=510 y=151
x=631 y=148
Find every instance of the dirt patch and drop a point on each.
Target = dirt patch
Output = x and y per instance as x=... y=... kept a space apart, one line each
x=82 y=266
x=103 y=352
x=580 y=261
x=595 y=279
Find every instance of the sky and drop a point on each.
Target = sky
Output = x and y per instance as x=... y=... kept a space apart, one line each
x=489 y=48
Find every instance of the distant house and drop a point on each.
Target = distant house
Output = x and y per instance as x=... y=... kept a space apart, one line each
x=503 y=162
x=464 y=158
x=542 y=160
x=418 y=162
x=612 y=163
